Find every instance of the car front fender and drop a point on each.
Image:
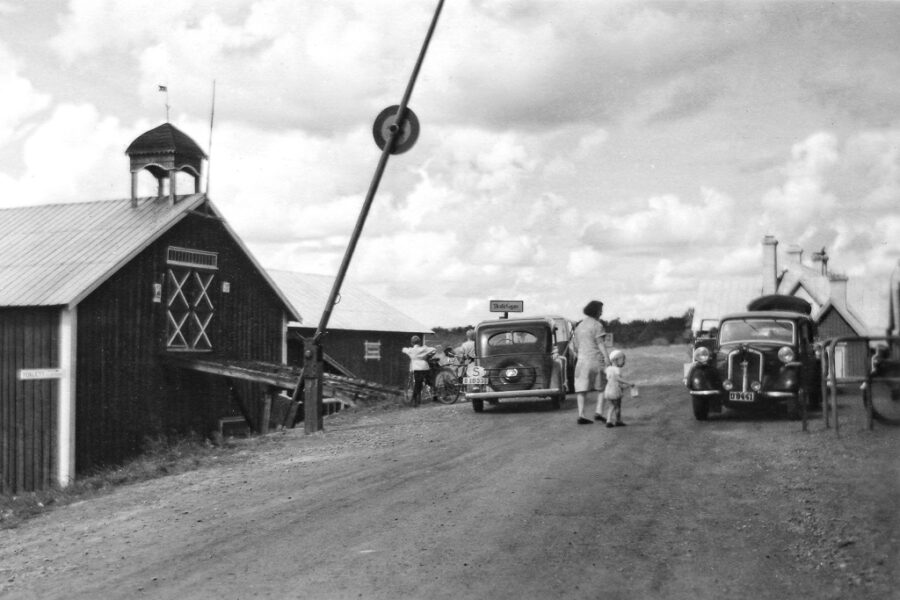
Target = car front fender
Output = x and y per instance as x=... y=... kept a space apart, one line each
x=702 y=379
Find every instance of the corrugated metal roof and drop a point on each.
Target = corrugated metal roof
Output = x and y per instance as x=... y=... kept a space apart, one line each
x=56 y=254
x=718 y=297
x=357 y=310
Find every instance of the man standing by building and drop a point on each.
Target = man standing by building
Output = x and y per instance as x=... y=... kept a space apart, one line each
x=418 y=366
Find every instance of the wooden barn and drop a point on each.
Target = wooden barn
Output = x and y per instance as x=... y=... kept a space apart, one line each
x=121 y=321
x=365 y=334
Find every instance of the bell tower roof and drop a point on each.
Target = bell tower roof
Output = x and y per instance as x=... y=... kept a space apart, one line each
x=162 y=151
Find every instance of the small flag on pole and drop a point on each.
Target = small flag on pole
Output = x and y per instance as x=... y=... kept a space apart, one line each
x=163 y=88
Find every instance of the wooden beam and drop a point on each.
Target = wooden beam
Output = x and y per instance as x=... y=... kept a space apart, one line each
x=281 y=376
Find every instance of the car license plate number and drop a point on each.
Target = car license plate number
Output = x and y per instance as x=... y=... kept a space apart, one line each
x=741 y=396
x=475 y=380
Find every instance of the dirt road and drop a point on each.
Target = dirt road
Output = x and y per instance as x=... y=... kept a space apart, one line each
x=518 y=502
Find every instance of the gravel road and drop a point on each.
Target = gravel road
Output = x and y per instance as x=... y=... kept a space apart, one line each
x=517 y=502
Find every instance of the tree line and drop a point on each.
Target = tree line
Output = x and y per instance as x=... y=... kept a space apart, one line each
x=639 y=332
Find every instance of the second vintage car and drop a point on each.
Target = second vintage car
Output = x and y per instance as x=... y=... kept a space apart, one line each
x=764 y=357
x=516 y=358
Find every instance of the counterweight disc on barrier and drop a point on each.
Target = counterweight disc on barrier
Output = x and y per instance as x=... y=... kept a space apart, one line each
x=385 y=123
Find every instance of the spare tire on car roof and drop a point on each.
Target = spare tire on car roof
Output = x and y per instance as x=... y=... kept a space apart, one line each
x=781 y=302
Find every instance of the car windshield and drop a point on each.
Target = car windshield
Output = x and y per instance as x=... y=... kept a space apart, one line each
x=757 y=330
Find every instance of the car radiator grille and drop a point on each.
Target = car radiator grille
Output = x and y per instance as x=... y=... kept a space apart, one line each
x=744 y=368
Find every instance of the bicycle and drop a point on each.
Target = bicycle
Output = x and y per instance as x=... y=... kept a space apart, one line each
x=426 y=395
x=449 y=379
x=443 y=384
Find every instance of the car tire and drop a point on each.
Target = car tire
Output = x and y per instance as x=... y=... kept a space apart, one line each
x=478 y=405
x=701 y=407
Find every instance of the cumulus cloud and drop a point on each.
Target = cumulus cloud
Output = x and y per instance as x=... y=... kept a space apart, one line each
x=72 y=156
x=568 y=149
x=666 y=222
x=21 y=100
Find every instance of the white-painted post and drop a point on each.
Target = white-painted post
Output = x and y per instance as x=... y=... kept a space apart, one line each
x=284 y=338
x=65 y=426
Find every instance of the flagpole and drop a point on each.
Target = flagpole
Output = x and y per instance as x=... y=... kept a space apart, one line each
x=165 y=88
x=212 y=114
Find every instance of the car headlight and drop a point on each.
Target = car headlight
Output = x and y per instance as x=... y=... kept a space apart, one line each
x=701 y=355
x=755 y=386
x=786 y=354
x=727 y=384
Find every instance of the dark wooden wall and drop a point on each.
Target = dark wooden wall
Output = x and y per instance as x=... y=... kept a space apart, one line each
x=126 y=394
x=29 y=339
x=348 y=348
x=832 y=325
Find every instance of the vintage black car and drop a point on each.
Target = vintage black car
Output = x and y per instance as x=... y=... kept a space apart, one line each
x=516 y=359
x=766 y=357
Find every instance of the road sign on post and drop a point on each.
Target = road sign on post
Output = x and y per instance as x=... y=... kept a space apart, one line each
x=507 y=306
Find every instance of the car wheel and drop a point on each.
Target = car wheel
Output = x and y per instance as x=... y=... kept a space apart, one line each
x=478 y=405
x=701 y=408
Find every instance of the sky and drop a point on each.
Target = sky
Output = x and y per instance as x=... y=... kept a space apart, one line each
x=569 y=150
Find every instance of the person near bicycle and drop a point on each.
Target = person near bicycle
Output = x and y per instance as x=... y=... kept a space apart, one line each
x=466 y=351
x=418 y=366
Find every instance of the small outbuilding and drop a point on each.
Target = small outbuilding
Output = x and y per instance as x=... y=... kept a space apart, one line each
x=128 y=320
x=365 y=335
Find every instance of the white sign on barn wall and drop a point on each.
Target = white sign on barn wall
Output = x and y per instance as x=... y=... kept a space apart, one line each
x=26 y=374
x=373 y=351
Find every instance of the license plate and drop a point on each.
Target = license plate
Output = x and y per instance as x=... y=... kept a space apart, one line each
x=741 y=396
x=475 y=380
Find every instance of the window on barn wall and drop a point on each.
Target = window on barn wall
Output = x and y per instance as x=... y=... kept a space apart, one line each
x=373 y=351
x=190 y=275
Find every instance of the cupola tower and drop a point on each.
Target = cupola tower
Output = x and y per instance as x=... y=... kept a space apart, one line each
x=165 y=150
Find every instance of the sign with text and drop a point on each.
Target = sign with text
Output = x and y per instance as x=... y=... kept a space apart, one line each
x=40 y=374
x=507 y=305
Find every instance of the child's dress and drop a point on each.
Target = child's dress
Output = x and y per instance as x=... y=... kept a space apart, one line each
x=613 y=393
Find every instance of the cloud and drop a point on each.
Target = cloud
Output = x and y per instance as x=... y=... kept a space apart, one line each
x=667 y=222
x=70 y=157
x=21 y=101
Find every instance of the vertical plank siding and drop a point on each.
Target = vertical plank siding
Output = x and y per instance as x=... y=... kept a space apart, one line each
x=832 y=325
x=348 y=348
x=126 y=395
x=28 y=340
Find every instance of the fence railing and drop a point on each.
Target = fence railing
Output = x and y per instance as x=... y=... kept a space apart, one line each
x=830 y=380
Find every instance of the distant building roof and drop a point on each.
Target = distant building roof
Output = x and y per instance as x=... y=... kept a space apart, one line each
x=356 y=310
x=57 y=254
x=718 y=297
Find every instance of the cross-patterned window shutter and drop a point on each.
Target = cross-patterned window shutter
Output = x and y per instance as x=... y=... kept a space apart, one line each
x=190 y=277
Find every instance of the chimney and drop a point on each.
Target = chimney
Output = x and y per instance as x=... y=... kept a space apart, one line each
x=770 y=265
x=838 y=289
x=795 y=255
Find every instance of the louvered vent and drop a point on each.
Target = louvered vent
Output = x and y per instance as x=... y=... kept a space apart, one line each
x=192 y=258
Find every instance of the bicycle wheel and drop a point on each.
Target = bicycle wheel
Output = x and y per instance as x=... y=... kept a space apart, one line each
x=885 y=399
x=427 y=392
x=446 y=390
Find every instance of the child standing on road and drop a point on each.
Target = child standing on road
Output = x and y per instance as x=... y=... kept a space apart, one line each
x=615 y=387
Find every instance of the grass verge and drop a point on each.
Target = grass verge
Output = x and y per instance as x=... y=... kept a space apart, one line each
x=162 y=456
